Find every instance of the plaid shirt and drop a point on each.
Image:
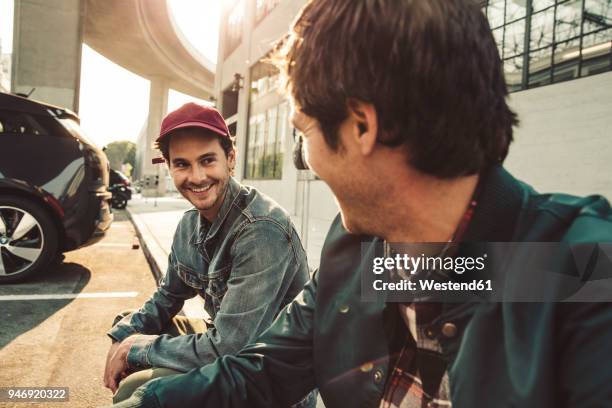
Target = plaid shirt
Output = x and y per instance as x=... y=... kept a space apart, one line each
x=419 y=378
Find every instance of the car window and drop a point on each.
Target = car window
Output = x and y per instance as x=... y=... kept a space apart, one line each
x=75 y=129
x=20 y=123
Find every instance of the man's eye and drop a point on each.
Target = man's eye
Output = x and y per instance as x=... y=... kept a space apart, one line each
x=180 y=165
x=207 y=161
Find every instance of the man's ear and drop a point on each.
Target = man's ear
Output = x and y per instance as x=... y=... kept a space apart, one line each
x=231 y=161
x=365 y=119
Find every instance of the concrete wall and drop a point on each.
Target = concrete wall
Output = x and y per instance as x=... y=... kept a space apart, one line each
x=47 y=50
x=564 y=141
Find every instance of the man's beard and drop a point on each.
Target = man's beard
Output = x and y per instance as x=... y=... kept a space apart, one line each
x=217 y=187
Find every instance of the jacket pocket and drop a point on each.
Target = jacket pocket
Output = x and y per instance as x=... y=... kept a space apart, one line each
x=189 y=276
x=216 y=289
x=217 y=283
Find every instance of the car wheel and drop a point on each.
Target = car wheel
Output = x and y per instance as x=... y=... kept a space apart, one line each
x=28 y=239
x=119 y=202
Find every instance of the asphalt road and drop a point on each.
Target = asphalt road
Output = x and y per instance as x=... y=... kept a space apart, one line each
x=56 y=342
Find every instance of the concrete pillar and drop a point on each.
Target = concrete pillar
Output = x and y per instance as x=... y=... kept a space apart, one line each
x=158 y=108
x=47 y=38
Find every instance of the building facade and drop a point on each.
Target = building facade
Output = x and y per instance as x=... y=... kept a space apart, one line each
x=557 y=57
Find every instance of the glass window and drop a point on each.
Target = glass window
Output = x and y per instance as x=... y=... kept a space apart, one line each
x=250 y=160
x=281 y=135
x=596 y=52
x=265 y=143
x=568 y=20
x=265 y=78
x=566 y=51
x=270 y=143
x=495 y=13
x=553 y=49
x=567 y=60
x=515 y=10
x=233 y=27
x=513 y=70
x=514 y=39
x=499 y=39
x=566 y=71
x=23 y=124
x=538 y=5
x=597 y=42
x=540 y=64
x=597 y=15
x=542 y=25
x=254 y=163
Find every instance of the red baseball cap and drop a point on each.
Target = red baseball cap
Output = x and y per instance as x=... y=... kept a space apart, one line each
x=194 y=115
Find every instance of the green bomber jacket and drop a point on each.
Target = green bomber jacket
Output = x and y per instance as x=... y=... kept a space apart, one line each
x=501 y=355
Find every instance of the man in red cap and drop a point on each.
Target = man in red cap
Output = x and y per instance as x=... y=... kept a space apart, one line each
x=217 y=253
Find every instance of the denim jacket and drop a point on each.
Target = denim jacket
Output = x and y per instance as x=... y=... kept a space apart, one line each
x=247 y=266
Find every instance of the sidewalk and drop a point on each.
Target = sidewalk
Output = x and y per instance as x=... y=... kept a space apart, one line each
x=155 y=220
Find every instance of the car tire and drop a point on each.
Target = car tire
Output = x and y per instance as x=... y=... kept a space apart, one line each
x=119 y=202
x=28 y=239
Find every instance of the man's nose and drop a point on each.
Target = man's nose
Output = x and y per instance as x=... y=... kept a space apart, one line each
x=197 y=175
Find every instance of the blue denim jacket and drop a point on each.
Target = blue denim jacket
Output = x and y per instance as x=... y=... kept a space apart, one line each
x=247 y=266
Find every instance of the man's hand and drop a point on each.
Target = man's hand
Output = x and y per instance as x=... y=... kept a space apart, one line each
x=116 y=363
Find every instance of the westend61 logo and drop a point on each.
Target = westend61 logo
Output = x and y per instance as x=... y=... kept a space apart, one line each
x=486 y=271
x=422 y=263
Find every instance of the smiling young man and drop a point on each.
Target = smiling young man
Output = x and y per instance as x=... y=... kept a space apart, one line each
x=403 y=109
x=217 y=253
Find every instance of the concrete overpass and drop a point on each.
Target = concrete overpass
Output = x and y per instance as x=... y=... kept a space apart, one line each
x=139 y=35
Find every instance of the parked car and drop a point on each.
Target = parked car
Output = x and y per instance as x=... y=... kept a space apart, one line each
x=53 y=186
x=121 y=188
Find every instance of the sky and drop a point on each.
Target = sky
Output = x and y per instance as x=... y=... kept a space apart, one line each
x=114 y=102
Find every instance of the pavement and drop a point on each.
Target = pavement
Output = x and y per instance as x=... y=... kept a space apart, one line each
x=155 y=220
x=52 y=326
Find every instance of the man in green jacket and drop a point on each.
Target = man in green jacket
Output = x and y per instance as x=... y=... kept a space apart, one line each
x=402 y=106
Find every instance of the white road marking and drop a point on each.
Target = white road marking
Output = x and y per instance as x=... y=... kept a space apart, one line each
x=54 y=296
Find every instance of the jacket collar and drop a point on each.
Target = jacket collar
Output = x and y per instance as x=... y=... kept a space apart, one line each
x=200 y=233
x=500 y=201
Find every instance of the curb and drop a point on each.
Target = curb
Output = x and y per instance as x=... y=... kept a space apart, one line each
x=139 y=226
x=157 y=259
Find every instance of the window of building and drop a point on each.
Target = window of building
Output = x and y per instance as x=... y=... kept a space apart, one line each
x=268 y=124
x=547 y=41
x=266 y=143
x=263 y=8
x=265 y=80
x=234 y=20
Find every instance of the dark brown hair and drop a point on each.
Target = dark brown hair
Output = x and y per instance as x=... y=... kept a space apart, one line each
x=430 y=68
x=227 y=143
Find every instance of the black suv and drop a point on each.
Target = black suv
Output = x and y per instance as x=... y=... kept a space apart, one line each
x=53 y=186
